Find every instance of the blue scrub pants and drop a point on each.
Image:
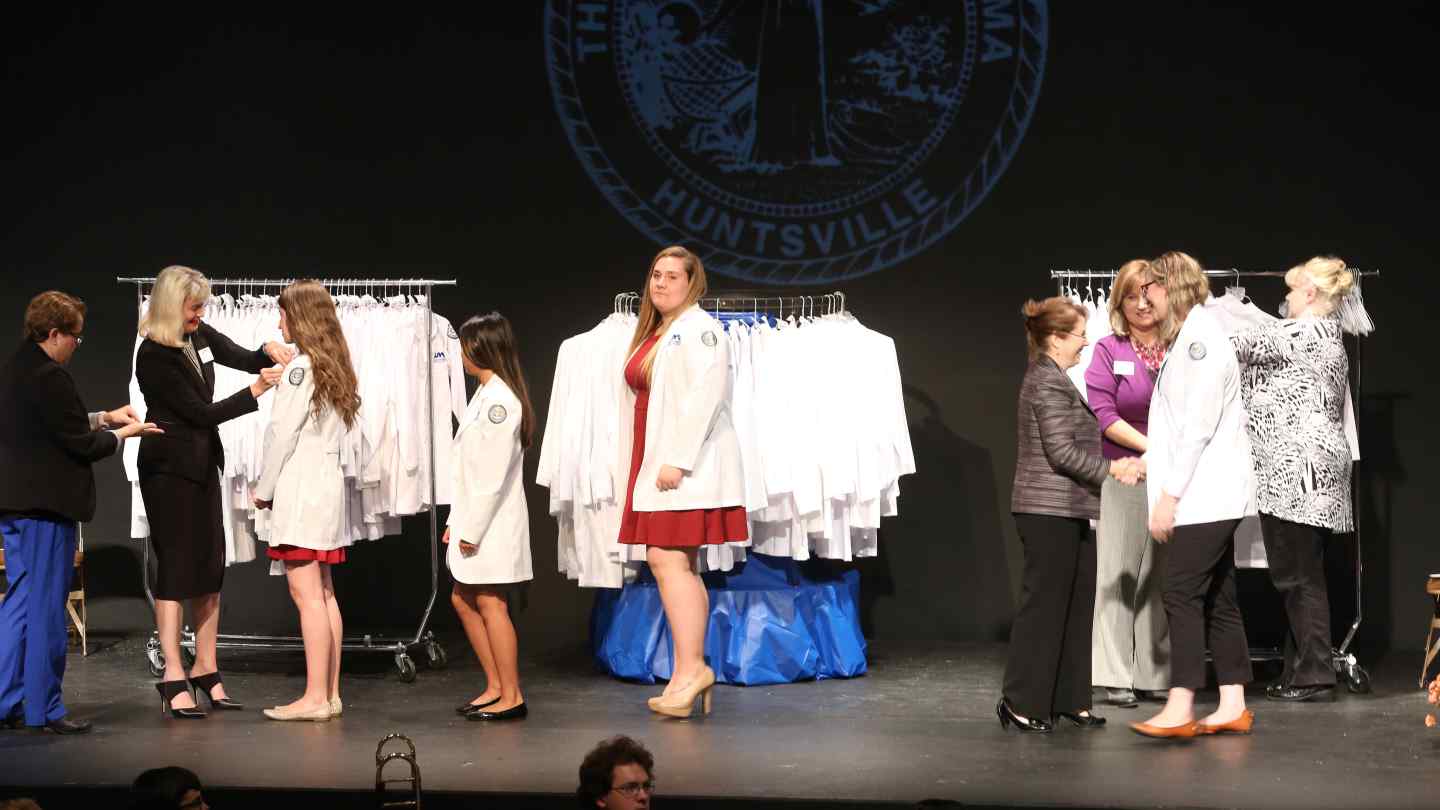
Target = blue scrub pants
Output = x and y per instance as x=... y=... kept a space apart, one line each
x=39 y=563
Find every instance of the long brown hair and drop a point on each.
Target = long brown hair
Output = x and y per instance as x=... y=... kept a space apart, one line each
x=489 y=343
x=315 y=328
x=650 y=319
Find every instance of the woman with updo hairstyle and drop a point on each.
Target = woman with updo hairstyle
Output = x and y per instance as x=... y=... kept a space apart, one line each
x=489 y=528
x=1295 y=373
x=1055 y=495
x=180 y=471
x=301 y=480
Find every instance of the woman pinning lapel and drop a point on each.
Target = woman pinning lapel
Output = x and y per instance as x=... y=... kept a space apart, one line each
x=488 y=532
x=302 y=481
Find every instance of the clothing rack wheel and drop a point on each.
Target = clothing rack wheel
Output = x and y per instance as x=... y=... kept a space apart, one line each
x=398 y=647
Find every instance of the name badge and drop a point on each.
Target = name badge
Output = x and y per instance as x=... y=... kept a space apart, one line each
x=207 y=356
x=1125 y=367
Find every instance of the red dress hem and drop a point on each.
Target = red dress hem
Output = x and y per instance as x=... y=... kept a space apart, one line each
x=331 y=556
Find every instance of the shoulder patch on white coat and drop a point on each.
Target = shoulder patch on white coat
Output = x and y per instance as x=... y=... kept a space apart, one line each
x=497 y=414
x=297 y=376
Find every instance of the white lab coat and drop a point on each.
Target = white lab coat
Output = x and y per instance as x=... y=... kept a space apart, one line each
x=301 y=471
x=489 y=510
x=689 y=424
x=1199 y=450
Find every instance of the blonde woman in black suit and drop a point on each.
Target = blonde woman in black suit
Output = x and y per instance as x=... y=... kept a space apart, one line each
x=180 y=471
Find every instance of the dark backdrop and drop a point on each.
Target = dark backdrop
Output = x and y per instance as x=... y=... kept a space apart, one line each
x=408 y=144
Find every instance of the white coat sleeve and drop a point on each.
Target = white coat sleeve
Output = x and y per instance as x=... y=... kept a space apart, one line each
x=1199 y=414
x=287 y=418
x=705 y=381
x=485 y=453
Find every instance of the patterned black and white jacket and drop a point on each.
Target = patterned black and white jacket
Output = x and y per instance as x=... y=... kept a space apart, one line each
x=1293 y=381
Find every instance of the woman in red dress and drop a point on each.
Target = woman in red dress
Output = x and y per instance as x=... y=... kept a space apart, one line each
x=686 y=488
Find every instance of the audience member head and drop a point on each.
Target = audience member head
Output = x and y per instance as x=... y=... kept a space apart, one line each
x=618 y=774
x=178 y=786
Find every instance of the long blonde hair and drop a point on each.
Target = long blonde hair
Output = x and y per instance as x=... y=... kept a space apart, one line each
x=650 y=320
x=315 y=328
x=1186 y=286
x=176 y=286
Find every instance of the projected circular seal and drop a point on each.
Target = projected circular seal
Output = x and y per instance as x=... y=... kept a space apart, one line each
x=796 y=141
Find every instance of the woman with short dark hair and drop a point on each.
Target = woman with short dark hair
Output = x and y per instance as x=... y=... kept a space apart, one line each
x=1058 y=473
x=48 y=443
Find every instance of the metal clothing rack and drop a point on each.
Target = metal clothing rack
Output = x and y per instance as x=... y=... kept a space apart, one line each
x=754 y=301
x=399 y=647
x=1344 y=662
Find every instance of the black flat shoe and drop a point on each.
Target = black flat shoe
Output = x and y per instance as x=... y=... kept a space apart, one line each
x=516 y=712
x=67 y=726
x=15 y=720
x=169 y=690
x=1297 y=694
x=471 y=708
x=1008 y=716
x=1083 y=720
x=206 y=683
x=1276 y=688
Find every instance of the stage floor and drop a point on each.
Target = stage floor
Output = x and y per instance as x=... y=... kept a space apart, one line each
x=920 y=725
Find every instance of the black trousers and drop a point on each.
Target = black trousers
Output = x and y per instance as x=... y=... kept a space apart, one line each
x=1296 y=553
x=1048 y=670
x=1200 y=602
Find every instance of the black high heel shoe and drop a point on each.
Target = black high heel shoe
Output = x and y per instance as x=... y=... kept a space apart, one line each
x=1091 y=720
x=169 y=690
x=1029 y=726
x=470 y=708
x=205 y=683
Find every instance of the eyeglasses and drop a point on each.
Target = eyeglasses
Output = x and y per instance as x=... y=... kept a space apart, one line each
x=78 y=337
x=1072 y=334
x=632 y=789
x=1145 y=288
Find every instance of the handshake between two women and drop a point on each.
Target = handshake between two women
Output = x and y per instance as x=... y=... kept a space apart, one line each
x=1129 y=470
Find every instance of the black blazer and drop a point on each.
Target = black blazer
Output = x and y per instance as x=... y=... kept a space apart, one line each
x=46 y=443
x=179 y=401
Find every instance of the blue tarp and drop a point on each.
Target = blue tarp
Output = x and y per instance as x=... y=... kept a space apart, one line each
x=770 y=622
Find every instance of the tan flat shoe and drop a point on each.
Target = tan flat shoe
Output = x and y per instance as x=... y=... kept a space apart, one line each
x=319 y=715
x=336 y=707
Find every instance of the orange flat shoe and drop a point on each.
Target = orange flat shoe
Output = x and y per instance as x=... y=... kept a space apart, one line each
x=1240 y=725
x=1190 y=729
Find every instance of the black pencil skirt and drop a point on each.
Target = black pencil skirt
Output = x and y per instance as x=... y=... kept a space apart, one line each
x=186 y=533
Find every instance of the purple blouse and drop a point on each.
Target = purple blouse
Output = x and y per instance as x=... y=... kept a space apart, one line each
x=1118 y=386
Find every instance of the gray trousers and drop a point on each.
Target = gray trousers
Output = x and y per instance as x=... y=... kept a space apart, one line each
x=1130 y=645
